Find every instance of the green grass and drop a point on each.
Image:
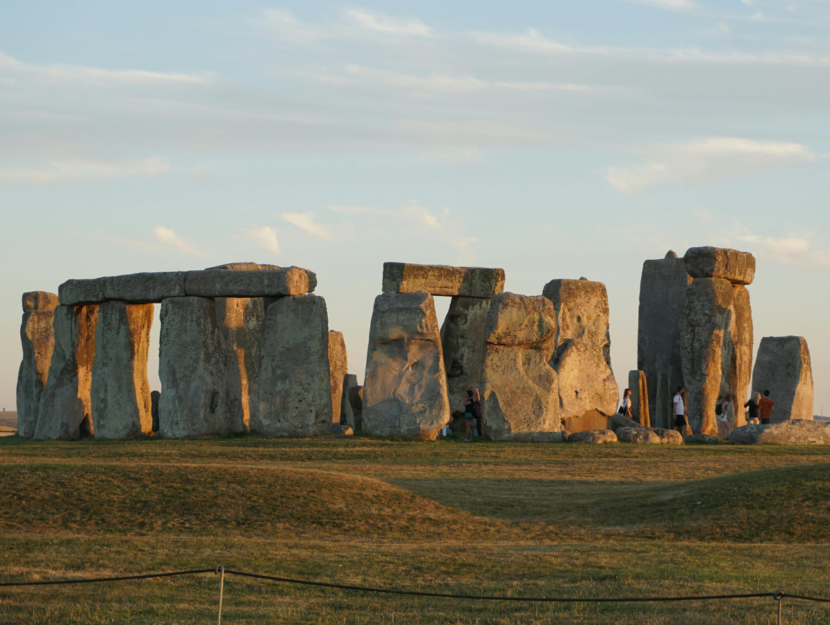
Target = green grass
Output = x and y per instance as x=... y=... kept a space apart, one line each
x=518 y=519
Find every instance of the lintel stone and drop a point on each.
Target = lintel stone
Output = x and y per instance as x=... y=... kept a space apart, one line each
x=442 y=280
x=234 y=283
x=716 y=262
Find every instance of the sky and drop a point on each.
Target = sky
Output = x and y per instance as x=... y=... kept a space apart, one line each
x=552 y=139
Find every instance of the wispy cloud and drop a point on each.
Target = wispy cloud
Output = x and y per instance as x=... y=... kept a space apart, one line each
x=704 y=161
x=170 y=238
x=65 y=171
x=308 y=222
x=371 y=20
x=288 y=28
x=793 y=251
x=265 y=237
x=668 y=5
x=10 y=66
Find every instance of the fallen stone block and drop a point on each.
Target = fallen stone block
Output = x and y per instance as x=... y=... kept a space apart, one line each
x=619 y=421
x=442 y=280
x=341 y=430
x=40 y=300
x=234 y=283
x=796 y=432
x=338 y=368
x=582 y=358
x=593 y=437
x=638 y=435
x=120 y=392
x=405 y=390
x=65 y=405
x=295 y=389
x=783 y=368
x=520 y=394
x=747 y=434
x=668 y=437
x=37 y=337
x=201 y=393
x=715 y=262
x=463 y=341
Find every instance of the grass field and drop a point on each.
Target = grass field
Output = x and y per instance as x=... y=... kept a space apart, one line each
x=481 y=518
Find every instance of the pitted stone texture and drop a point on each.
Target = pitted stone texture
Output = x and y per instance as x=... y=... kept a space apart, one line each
x=37 y=337
x=75 y=292
x=200 y=392
x=120 y=396
x=338 y=368
x=739 y=366
x=294 y=387
x=747 y=434
x=65 y=406
x=663 y=287
x=707 y=317
x=594 y=437
x=39 y=300
x=783 y=368
x=405 y=391
x=582 y=358
x=716 y=262
x=520 y=394
x=796 y=432
x=347 y=411
x=154 y=409
x=639 y=397
x=442 y=280
x=638 y=435
x=145 y=288
x=240 y=320
x=249 y=266
x=234 y=283
x=668 y=437
x=463 y=340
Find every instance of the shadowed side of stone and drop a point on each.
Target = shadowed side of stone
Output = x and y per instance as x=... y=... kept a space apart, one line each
x=348 y=415
x=463 y=341
x=155 y=396
x=405 y=391
x=65 y=406
x=295 y=388
x=200 y=392
x=37 y=337
x=121 y=404
x=783 y=367
x=338 y=368
x=520 y=396
x=442 y=280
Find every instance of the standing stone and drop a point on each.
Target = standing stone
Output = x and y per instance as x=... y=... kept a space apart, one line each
x=240 y=320
x=338 y=368
x=783 y=368
x=37 y=337
x=405 y=392
x=347 y=412
x=739 y=369
x=154 y=409
x=295 y=388
x=663 y=288
x=520 y=398
x=707 y=317
x=200 y=391
x=65 y=406
x=121 y=404
x=356 y=402
x=463 y=340
x=582 y=359
x=639 y=397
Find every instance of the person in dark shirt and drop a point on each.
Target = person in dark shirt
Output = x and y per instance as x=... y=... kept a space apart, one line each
x=754 y=408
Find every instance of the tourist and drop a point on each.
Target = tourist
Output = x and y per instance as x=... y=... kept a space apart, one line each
x=625 y=408
x=726 y=417
x=477 y=413
x=765 y=408
x=753 y=405
x=679 y=410
x=469 y=414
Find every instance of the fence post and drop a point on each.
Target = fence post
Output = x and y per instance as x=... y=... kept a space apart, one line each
x=221 y=570
x=779 y=596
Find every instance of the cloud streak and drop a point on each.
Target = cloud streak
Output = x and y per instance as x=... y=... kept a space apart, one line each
x=308 y=222
x=169 y=238
x=71 y=170
x=370 y=20
x=265 y=237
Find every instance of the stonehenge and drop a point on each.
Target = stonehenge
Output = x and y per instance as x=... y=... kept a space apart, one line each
x=338 y=369
x=442 y=280
x=463 y=342
x=37 y=337
x=783 y=368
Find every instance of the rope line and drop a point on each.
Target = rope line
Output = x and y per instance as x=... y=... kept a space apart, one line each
x=96 y=580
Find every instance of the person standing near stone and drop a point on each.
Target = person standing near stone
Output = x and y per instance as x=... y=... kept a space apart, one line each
x=477 y=412
x=625 y=408
x=469 y=414
x=679 y=410
x=765 y=407
x=726 y=418
x=754 y=406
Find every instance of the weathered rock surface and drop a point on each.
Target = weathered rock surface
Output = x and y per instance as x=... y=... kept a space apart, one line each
x=582 y=358
x=338 y=368
x=74 y=292
x=295 y=389
x=701 y=438
x=715 y=262
x=347 y=411
x=235 y=283
x=591 y=420
x=200 y=391
x=37 y=338
x=796 y=432
x=40 y=300
x=154 y=409
x=663 y=286
x=405 y=391
x=739 y=366
x=783 y=368
x=442 y=280
x=120 y=392
x=668 y=437
x=144 y=288
x=240 y=321
x=341 y=430
x=707 y=317
x=638 y=435
x=747 y=434
x=639 y=397
x=594 y=437
x=65 y=406
x=249 y=266
x=520 y=396
x=463 y=340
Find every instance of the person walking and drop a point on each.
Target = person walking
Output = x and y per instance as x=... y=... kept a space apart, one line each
x=765 y=408
x=726 y=418
x=469 y=414
x=753 y=405
x=679 y=410
x=625 y=407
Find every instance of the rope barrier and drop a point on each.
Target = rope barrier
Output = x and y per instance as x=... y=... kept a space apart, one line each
x=96 y=580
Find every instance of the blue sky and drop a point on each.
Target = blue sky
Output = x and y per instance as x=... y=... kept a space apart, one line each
x=555 y=140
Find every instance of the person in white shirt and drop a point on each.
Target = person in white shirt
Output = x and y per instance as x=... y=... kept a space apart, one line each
x=625 y=408
x=679 y=410
x=726 y=418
